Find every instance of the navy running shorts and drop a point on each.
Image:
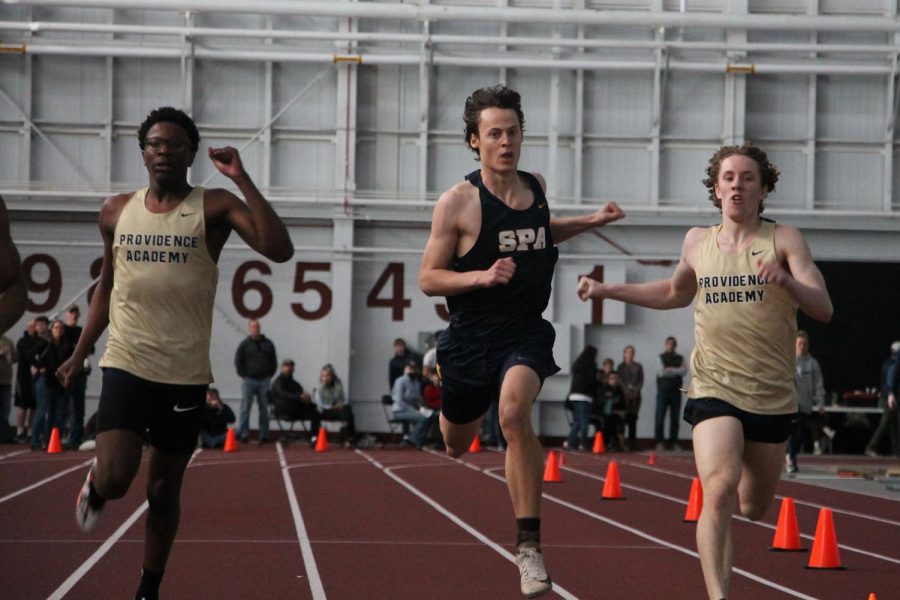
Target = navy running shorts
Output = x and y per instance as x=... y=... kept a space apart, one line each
x=169 y=414
x=767 y=429
x=472 y=372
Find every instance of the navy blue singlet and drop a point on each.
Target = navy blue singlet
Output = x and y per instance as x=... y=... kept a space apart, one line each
x=498 y=312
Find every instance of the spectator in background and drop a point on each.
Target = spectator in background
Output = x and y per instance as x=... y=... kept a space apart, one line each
x=582 y=392
x=216 y=418
x=669 y=379
x=430 y=357
x=256 y=363
x=78 y=388
x=606 y=367
x=46 y=355
x=332 y=404
x=402 y=355
x=8 y=358
x=290 y=402
x=25 y=400
x=811 y=400
x=608 y=410
x=631 y=376
x=890 y=417
x=431 y=400
x=407 y=397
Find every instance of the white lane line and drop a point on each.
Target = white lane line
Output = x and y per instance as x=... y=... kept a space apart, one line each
x=842 y=511
x=44 y=481
x=94 y=558
x=458 y=521
x=11 y=454
x=309 y=560
x=647 y=536
x=738 y=517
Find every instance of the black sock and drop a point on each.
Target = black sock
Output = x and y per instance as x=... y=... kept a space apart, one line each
x=149 y=588
x=528 y=530
x=95 y=500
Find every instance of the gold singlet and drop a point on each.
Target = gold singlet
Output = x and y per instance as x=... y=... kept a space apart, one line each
x=745 y=329
x=164 y=284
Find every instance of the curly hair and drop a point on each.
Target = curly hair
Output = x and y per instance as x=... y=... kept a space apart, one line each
x=498 y=96
x=768 y=172
x=167 y=114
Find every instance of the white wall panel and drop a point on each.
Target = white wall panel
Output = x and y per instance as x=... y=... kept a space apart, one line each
x=849 y=178
x=86 y=159
x=449 y=162
x=9 y=169
x=230 y=93
x=142 y=85
x=618 y=104
x=70 y=89
x=604 y=170
x=681 y=174
x=452 y=85
x=851 y=108
x=777 y=107
x=316 y=110
x=790 y=191
x=127 y=161
x=13 y=83
x=303 y=165
x=694 y=105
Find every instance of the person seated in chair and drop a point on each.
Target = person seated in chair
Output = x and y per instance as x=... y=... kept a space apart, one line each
x=290 y=402
x=609 y=409
x=407 y=396
x=216 y=417
x=333 y=406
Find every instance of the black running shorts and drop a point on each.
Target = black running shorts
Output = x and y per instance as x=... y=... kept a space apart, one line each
x=472 y=372
x=768 y=429
x=169 y=414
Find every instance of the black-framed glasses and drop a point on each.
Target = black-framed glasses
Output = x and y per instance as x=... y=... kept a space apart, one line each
x=156 y=145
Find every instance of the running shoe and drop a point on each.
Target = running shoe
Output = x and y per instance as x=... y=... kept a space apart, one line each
x=533 y=577
x=88 y=506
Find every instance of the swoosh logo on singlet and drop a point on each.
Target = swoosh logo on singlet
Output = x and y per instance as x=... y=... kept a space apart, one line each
x=181 y=409
x=755 y=252
x=184 y=214
x=542 y=205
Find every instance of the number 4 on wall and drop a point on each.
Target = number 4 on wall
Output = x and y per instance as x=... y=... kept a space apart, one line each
x=396 y=301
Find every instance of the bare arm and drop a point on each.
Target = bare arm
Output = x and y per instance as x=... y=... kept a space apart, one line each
x=256 y=222
x=13 y=293
x=98 y=312
x=564 y=228
x=802 y=279
x=435 y=278
x=676 y=292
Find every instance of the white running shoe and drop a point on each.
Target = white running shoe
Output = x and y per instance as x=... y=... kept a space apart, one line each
x=533 y=577
x=86 y=514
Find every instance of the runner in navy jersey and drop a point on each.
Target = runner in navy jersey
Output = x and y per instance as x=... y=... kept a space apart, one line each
x=492 y=252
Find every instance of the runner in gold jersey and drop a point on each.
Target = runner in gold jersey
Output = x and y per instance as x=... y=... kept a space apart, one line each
x=156 y=291
x=747 y=277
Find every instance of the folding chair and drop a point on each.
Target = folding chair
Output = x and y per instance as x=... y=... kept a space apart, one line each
x=287 y=433
x=386 y=403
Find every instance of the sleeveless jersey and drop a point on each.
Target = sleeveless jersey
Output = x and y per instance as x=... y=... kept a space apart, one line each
x=498 y=312
x=164 y=284
x=745 y=329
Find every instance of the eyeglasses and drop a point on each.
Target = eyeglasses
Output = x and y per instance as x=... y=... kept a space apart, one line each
x=155 y=145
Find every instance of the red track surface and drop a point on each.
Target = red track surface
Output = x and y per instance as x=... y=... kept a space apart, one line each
x=404 y=524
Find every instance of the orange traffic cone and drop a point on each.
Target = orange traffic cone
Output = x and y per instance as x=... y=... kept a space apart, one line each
x=551 y=471
x=475 y=446
x=652 y=459
x=54 y=447
x=787 y=534
x=612 y=489
x=322 y=440
x=599 y=448
x=824 y=553
x=695 y=502
x=872 y=596
x=230 y=444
